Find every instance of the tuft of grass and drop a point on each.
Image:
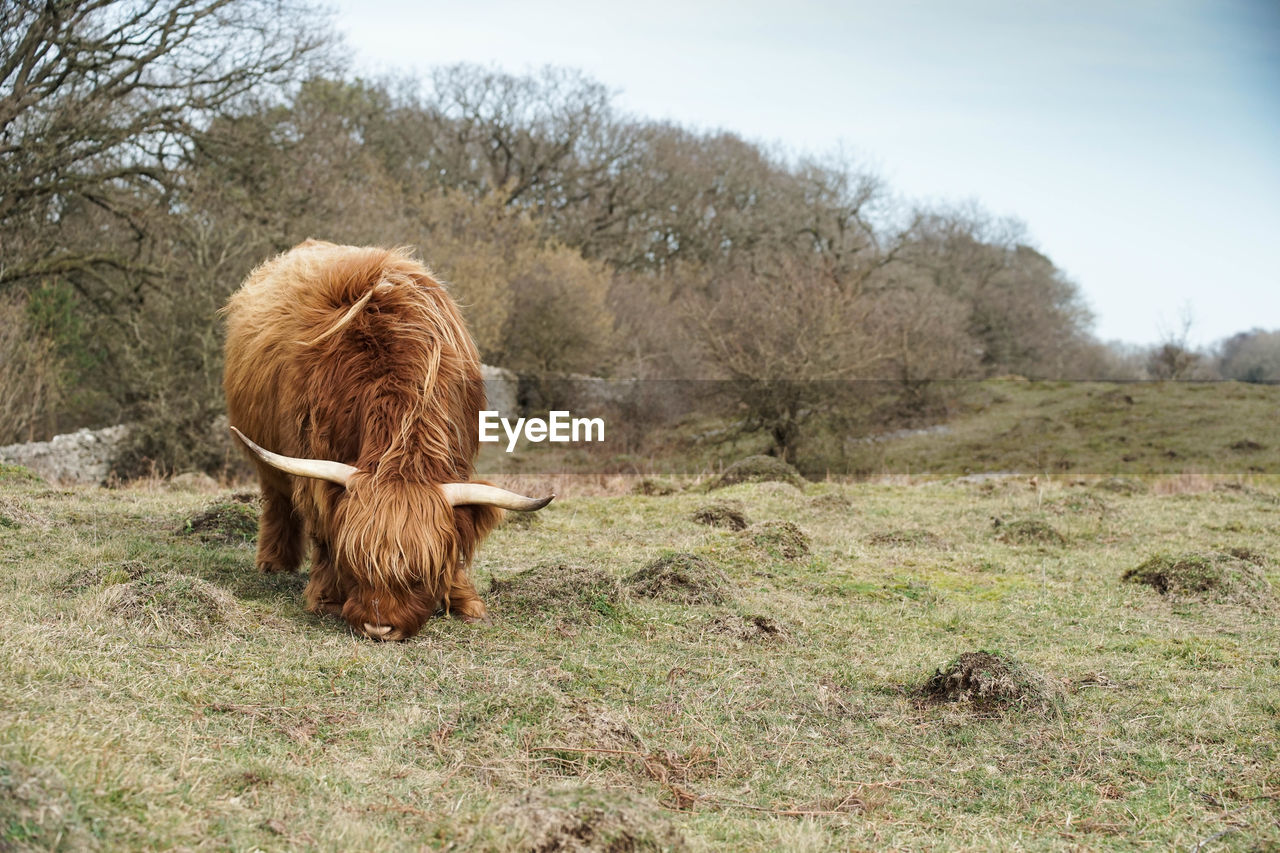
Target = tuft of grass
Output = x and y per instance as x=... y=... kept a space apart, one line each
x=899 y=537
x=1224 y=576
x=680 y=578
x=759 y=469
x=10 y=473
x=16 y=513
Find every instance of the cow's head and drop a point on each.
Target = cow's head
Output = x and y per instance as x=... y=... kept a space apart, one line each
x=397 y=545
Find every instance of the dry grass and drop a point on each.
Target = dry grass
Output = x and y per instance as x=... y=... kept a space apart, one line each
x=158 y=693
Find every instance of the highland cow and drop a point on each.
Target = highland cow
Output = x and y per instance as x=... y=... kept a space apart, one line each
x=355 y=367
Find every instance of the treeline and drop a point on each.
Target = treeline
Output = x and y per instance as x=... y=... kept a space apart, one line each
x=154 y=153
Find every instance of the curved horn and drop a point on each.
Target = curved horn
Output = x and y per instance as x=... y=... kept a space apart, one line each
x=320 y=469
x=460 y=494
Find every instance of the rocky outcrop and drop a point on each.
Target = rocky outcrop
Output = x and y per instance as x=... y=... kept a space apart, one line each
x=83 y=456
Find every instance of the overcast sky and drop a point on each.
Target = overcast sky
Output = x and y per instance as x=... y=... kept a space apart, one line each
x=1139 y=140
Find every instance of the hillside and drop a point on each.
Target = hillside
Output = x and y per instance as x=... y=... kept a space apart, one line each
x=1095 y=428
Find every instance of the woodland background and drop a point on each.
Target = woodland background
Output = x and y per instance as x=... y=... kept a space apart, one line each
x=152 y=153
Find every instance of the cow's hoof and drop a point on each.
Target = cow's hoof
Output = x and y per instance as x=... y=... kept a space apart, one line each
x=377 y=632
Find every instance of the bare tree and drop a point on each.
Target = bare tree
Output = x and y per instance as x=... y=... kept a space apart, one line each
x=100 y=98
x=792 y=336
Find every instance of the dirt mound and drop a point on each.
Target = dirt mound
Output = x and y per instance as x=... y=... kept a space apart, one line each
x=1026 y=531
x=558 y=591
x=231 y=521
x=759 y=469
x=654 y=486
x=192 y=481
x=1122 y=486
x=582 y=819
x=721 y=514
x=1232 y=576
x=175 y=602
x=680 y=579
x=832 y=502
x=1247 y=445
x=988 y=681
x=99 y=576
x=748 y=629
x=898 y=536
x=779 y=539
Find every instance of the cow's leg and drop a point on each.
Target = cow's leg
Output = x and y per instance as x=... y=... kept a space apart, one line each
x=325 y=593
x=464 y=602
x=280 y=533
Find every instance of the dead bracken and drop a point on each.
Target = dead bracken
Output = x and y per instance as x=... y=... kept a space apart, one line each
x=721 y=514
x=582 y=819
x=680 y=578
x=1231 y=576
x=988 y=681
x=779 y=539
x=572 y=593
x=1027 y=531
x=759 y=469
x=230 y=522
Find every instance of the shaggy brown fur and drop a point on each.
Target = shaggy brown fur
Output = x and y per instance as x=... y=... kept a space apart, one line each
x=358 y=355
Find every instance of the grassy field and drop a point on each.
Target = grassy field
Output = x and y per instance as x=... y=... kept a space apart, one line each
x=895 y=664
x=1096 y=428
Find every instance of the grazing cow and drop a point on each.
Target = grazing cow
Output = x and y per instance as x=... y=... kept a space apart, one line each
x=355 y=367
